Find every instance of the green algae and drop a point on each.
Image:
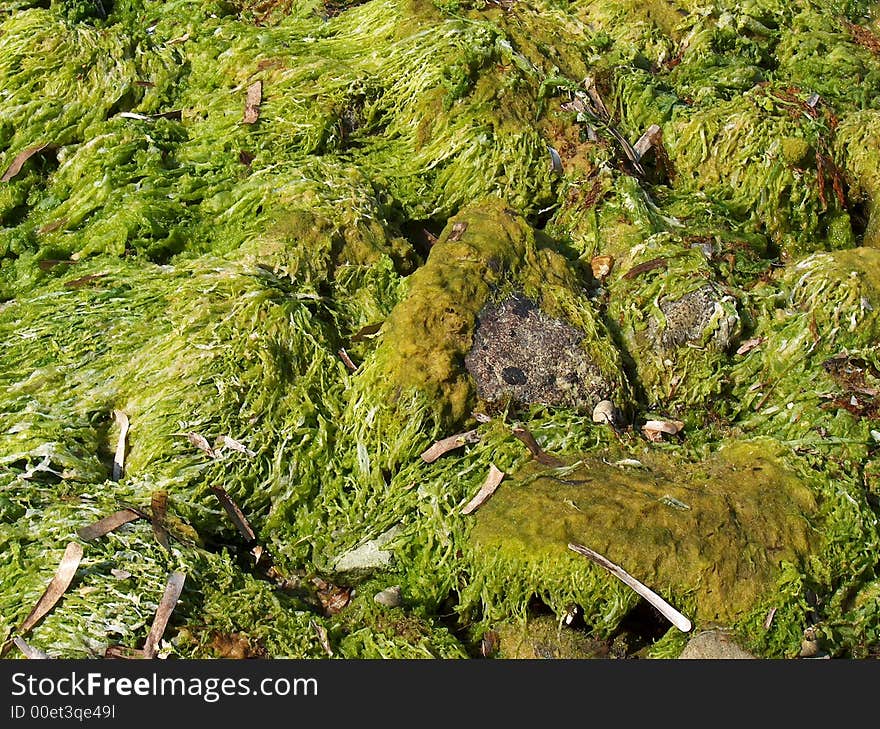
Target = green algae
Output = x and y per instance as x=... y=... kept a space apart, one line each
x=163 y=258
x=674 y=529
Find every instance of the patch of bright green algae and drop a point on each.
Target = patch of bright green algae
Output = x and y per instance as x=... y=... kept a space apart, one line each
x=710 y=537
x=163 y=258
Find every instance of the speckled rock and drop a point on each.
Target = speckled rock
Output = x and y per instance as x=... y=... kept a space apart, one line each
x=713 y=644
x=698 y=318
x=521 y=353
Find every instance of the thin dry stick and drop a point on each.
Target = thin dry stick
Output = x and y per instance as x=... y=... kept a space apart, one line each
x=524 y=434
x=235 y=514
x=119 y=458
x=107 y=524
x=321 y=632
x=27 y=650
x=449 y=444
x=668 y=612
x=486 y=490
x=163 y=613
x=57 y=587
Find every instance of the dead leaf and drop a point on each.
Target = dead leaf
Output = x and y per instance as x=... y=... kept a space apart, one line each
x=749 y=345
x=235 y=514
x=458 y=230
x=158 y=513
x=200 y=442
x=366 y=332
x=21 y=158
x=252 y=103
x=602 y=266
x=333 y=597
x=224 y=441
x=493 y=479
x=654 y=429
x=52 y=594
x=669 y=612
x=555 y=161
x=173 y=588
x=646 y=266
x=647 y=140
x=119 y=457
x=343 y=355
x=449 y=444
x=107 y=524
x=27 y=650
x=82 y=281
x=50 y=227
x=523 y=434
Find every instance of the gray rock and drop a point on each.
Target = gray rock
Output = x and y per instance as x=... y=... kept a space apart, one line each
x=706 y=315
x=390 y=597
x=368 y=555
x=713 y=644
x=521 y=353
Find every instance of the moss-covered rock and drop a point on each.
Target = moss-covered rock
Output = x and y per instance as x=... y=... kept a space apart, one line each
x=441 y=333
x=710 y=537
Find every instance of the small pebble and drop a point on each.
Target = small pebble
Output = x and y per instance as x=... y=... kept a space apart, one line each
x=389 y=597
x=605 y=412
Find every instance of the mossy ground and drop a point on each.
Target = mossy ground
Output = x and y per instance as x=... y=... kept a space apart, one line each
x=161 y=257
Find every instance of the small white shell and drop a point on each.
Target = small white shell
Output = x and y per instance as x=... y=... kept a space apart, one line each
x=605 y=412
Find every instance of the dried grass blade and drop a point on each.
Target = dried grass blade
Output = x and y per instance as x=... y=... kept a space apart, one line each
x=20 y=159
x=119 y=457
x=56 y=588
x=252 y=103
x=158 y=512
x=668 y=612
x=107 y=524
x=235 y=514
x=449 y=444
x=486 y=490
x=163 y=613
x=523 y=434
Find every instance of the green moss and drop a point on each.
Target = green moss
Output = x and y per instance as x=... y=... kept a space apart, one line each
x=710 y=538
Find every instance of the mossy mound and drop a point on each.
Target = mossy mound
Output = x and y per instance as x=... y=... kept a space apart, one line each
x=712 y=536
x=487 y=254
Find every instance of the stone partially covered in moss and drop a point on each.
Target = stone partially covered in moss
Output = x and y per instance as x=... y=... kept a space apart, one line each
x=710 y=537
x=486 y=295
x=546 y=638
x=676 y=320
